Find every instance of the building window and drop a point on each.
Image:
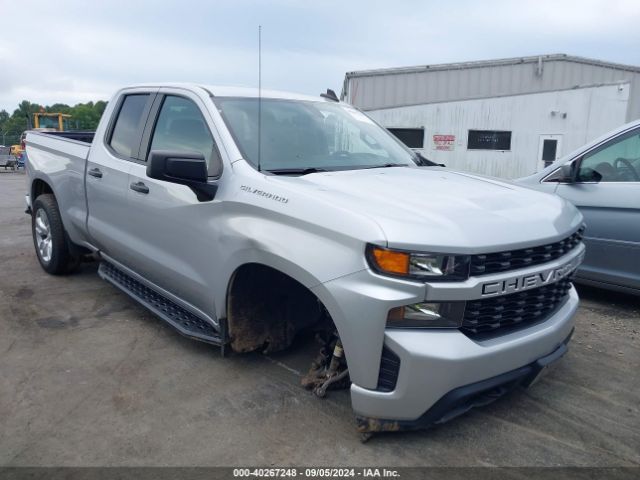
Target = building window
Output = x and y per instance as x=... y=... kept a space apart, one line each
x=411 y=137
x=549 y=149
x=489 y=140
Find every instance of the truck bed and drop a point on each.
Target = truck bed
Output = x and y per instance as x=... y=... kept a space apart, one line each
x=59 y=160
x=63 y=145
x=84 y=136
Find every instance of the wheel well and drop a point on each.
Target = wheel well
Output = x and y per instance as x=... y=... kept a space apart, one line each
x=39 y=187
x=266 y=308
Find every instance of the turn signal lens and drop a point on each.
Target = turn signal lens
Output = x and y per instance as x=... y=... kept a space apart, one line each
x=435 y=265
x=396 y=315
x=390 y=261
x=423 y=266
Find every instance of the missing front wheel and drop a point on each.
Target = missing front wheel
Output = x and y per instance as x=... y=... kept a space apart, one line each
x=329 y=370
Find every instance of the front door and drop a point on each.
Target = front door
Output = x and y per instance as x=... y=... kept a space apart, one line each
x=549 y=148
x=175 y=237
x=607 y=192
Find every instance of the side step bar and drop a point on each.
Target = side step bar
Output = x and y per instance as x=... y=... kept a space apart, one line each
x=179 y=318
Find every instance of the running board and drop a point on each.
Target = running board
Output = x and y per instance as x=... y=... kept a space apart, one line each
x=182 y=320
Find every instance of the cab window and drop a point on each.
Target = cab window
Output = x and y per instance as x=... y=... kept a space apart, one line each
x=181 y=128
x=616 y=161
x=125 y=137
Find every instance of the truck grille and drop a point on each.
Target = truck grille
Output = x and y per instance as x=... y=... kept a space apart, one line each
x=500 y=315
x=525 y=257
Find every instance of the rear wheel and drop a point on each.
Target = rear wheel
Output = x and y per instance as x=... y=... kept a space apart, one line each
x=53 y=248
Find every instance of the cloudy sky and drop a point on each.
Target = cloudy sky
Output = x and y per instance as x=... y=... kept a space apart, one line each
x=77 y=50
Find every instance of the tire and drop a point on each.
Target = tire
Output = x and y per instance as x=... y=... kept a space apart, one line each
x=50 y=240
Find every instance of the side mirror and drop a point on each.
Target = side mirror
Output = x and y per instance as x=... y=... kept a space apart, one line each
x=566 y=173
x=184 y=168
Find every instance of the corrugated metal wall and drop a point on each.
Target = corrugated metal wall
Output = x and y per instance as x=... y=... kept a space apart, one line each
x=442 y=83
x=590 y=112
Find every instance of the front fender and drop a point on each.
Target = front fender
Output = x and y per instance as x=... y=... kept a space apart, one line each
x=359 y=304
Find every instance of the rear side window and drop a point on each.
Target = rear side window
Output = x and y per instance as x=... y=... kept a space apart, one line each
x=181 y=128
x=125 y=138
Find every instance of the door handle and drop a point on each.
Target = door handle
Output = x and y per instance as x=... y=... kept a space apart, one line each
x=95 y=172
x=139 y=187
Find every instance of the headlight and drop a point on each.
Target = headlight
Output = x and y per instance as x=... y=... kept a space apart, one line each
x=427 y=315
x=417 y=265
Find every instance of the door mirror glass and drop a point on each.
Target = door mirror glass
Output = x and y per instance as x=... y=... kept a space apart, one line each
x=566 y=172
x=184 y=168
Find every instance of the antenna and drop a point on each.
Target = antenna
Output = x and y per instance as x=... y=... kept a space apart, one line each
x=259 y=93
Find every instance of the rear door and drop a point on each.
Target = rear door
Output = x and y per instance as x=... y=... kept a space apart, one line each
x=174 y=238
x=107 y=177
x=607 y=192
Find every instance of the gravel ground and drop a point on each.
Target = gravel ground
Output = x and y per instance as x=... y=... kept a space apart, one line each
x=89 y=378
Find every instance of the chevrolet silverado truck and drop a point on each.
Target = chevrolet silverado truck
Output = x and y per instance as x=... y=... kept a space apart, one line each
x=243 y=218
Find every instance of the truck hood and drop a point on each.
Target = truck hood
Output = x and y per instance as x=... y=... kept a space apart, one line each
x=442 y=210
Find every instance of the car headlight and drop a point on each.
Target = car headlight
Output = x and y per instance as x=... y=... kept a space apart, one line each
x=418 y=265
x=427 y=315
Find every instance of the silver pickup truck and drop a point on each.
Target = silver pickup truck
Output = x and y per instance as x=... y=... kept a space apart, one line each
x=243 y=220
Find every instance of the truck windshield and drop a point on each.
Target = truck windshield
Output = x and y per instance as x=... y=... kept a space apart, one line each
x=299 y=137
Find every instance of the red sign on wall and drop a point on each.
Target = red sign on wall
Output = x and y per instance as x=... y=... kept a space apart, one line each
x=444 y=142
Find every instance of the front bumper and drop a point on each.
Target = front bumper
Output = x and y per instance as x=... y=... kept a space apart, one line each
x=462 y=399
x=433 y=364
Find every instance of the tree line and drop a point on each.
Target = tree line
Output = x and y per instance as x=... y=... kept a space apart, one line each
x=84 y=116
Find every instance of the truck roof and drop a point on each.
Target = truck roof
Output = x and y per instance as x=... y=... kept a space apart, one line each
x=230 y=91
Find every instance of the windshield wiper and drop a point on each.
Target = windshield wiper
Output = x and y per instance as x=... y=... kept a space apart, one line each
x=386 y=165
x=296 y=171
x=305 y=171
x=425 y=162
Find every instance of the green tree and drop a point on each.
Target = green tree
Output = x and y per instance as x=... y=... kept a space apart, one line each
x=58 y=108
x=84 y=116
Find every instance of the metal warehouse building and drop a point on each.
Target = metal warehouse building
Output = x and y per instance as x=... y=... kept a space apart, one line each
x=506 y=118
